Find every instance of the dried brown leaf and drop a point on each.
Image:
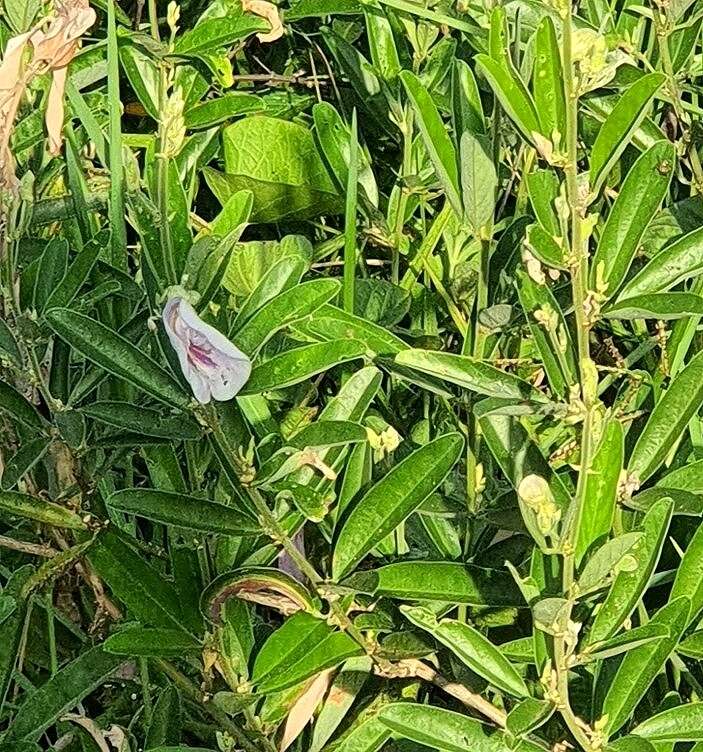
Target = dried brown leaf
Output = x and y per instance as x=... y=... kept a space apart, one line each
x=268 y=11
x=304 y=708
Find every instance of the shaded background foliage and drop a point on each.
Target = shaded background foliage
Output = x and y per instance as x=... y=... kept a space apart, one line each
x=456 y=505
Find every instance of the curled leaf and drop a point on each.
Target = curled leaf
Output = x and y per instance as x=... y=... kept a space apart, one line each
x=268 y=11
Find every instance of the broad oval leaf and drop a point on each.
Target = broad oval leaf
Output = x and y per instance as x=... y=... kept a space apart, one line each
x=392 y=500
x=143 y=420
x=19 y=407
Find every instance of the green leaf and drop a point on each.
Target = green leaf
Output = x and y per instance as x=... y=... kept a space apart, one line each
x=688 y=581
x=329 y=323
x=334 y=138
x=23 y=460
x=471 y=647
x=545 y=247
x=512 y=93
x=478 y=180
x=661 y=306
x=620 y=125
x=515 y=452
x=625 y=641
x=302 y=647
x=8 y=343
x=640 y=666
x=188 y=512
x=547 y=81
x=221 y=109
x=283 y=310
x=668 y=420
x=21 y=13
x=468 y=373
x=78 y=272
x=394 y=498
x=165 y=726
x=675 y=263
x=467 y=112
x=605 y=561
x=12 y=402
x=150 y=598
x=680 y=724
x=251 y=262
x=13 y=504
x=640 y=196
x=629 y=587
x=143 y=74
x=435 y=137
x=213 y=33
x=692 y=646
x=528 y=715
x=278 y=161
x=341 y=697
x=143 y=641
x=143 y=420
x=61 y=693
x=556 y=349
x=600 y=496
x=440 y=581
x=115 y=354
x=293 y=366
x=440 y=729
x=12 y=627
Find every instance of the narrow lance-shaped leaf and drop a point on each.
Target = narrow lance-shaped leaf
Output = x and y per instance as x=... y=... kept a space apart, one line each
x=547 y=80
x=619 y=126
x=434 y=133
x=392 y=500
x=512 y=94
x=188 y=512
x=639 y=198
x=668 y=420
x=629 y=587
x=469 y=373
x=688 y=581
x=115 y=354
x=600 y=497
x=675 y=263
x=62 y=692
x=640 y=666
x=471 y=647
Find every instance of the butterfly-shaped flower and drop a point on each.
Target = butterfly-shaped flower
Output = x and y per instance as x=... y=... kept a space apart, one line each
x=212 y=365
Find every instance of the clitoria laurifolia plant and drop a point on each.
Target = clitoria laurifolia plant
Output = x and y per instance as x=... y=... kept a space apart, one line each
x=350 y=376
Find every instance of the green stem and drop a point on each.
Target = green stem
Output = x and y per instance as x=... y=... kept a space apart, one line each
x=407 y=131
x=146 y=694
x=219 y=716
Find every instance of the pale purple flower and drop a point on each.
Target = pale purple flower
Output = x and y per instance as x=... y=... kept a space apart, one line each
x=212 y=365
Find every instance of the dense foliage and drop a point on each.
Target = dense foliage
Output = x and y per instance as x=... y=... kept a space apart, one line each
x=448 y=256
